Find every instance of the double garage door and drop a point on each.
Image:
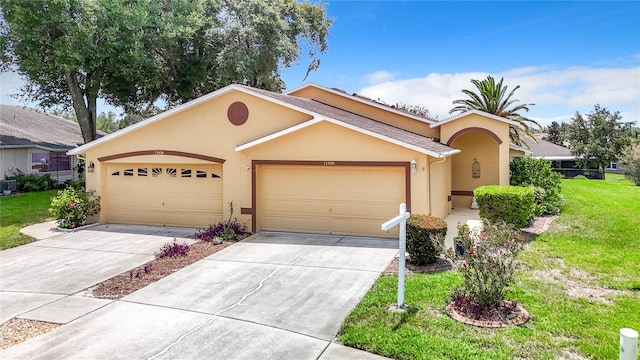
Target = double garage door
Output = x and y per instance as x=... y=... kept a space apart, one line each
x=164 y=194
x=345 y=200
x=348 y=200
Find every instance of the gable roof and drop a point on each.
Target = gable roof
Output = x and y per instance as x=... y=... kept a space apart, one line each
x=23 y=127
x=547 y=150
x=474 y=112
x=364 y=100
x=319 y=112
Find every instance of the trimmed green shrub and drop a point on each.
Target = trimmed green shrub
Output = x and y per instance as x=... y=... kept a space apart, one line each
x=71 y=207
x=528 y=171
x=422 y=231
x=512 y=204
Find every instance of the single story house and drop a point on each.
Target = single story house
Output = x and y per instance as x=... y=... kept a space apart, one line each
x=314 y=159
x=33 y=142
x=562 y=160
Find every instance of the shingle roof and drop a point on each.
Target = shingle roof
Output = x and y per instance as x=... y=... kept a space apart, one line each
x=358 y=121
x=545 y=148
x=25 y=127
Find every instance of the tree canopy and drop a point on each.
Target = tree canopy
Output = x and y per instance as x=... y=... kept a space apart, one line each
x=493 y=98
x=600 y=137
x=555 y=134
x=133 y=53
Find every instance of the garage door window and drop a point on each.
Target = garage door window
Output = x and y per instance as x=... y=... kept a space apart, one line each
x=128 y=172
x=171 y=172
x=142 y=171
x=186 y=173
x=215 y=176
x=201 y=174
x=155 y=172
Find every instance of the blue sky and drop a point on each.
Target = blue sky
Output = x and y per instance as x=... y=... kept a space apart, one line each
x=566 y=56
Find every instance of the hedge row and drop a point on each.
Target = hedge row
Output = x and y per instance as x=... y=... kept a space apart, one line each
x=511 y=204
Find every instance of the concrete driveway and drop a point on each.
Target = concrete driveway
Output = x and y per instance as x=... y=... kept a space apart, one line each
x=271 y=296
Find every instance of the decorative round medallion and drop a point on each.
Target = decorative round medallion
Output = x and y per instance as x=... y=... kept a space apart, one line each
x=238 y=113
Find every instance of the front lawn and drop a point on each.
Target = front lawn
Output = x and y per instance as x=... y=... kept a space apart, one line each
x=580 y=282
x=20 y=210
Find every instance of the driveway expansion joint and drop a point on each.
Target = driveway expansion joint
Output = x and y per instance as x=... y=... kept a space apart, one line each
x=244 y=297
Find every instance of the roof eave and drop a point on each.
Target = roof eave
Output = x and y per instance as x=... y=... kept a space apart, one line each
x=318 y=119
x=472 y=112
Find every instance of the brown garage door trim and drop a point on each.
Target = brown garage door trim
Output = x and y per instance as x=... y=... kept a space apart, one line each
x=162 y=152
x=254 y=178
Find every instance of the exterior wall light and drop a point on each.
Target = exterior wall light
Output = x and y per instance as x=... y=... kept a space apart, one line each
x=91 y=167
x=414 y=167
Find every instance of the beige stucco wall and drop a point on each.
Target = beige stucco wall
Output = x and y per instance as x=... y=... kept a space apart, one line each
x=474 y=146
x=513 y=153
x=370 y=111
x=202 y=129
x=475 y=142
x=329 y=142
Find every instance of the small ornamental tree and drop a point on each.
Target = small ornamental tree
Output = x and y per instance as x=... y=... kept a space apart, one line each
x=487 y=261
x=72 y=206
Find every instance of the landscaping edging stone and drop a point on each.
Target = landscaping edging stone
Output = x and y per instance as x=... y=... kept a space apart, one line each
x=522 y=318
x=83 y=227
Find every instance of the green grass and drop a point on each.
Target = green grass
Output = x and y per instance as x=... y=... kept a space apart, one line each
x=20 y=210
x=597 y=234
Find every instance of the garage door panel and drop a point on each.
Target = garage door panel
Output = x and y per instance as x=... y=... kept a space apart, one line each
x=334 y=200
x=164 y=194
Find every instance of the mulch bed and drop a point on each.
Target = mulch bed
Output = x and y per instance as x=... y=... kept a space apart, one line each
x=441 y=264
x=16 y=331
x=130 y=281
x=507 y=314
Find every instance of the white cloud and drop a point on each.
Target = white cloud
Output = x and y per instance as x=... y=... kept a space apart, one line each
x=557 y=93
x=378 y=77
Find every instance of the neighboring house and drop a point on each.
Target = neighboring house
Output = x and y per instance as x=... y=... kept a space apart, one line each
x=312 y=160
x=36 y=143
x=561 y=158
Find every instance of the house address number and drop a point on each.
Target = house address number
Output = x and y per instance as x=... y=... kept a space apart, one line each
x=329 y=163
x=159 y=152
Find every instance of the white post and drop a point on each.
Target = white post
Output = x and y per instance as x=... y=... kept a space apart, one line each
x=401 y=221
x=401 y=260
x=628 y=344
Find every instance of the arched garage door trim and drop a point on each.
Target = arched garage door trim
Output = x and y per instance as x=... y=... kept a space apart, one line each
x=162 y=152
x=254 y=180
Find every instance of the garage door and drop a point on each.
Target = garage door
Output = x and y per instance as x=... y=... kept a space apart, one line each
x=330 y=199
x=164 y=194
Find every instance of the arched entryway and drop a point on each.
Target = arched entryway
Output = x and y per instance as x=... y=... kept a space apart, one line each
x=477 y=164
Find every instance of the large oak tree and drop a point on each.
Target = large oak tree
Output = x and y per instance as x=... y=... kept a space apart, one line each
x=133 y=53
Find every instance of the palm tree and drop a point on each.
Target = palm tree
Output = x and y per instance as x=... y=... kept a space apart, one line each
x=493 y=98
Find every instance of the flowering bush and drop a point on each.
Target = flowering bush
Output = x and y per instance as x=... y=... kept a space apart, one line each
x=172 y=250
x=72 y=206
x=487 y=261
x=227 y=230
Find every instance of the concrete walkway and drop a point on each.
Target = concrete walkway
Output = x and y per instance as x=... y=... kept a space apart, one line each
x=460 y=216
x=271 y=296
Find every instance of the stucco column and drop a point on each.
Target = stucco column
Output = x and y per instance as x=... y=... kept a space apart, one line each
x=503 y=158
